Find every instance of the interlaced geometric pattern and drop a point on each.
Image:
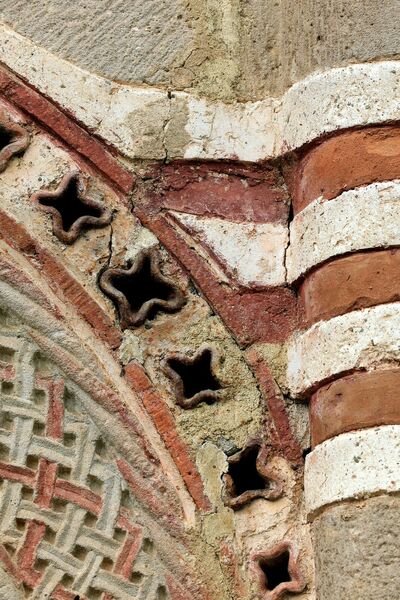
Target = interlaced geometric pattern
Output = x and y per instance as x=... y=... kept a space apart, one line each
x=66 y=530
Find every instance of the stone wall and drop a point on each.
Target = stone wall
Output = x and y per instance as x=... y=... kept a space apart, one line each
x=240 y=50
x=199 y=301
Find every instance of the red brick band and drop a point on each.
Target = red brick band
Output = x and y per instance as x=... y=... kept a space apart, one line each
x=251 y=193
x=357 y=401
x=357 y=281
x=345 y=161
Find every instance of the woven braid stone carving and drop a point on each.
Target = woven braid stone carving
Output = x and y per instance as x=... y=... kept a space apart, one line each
x=65 y=513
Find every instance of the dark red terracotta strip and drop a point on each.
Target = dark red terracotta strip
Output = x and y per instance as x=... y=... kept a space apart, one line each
x=165 y=424
x=59 y=279
x=282 y=435
x=252 y=315
x=227 y=191
x=357 y=401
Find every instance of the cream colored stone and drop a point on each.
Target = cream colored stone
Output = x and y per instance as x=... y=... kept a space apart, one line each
x=133 y=41
x=252 y=252
x=8 y=589
x=366 y=217
x=147 y=122
x=212 y=463
x=340 y=98
x=239 y=131
x=364 y=339
x=262 y=524
x=42 y=166
x=353 y=465
x=132 y=119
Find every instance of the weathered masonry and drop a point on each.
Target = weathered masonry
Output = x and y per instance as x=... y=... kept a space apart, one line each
x=200 y=300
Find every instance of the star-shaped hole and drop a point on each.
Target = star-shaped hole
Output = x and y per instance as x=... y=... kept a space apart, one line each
x=278 y=572
x=193 y=378
x=13 y=140
x=249 y=477
x=141 y=291
x=72 y=210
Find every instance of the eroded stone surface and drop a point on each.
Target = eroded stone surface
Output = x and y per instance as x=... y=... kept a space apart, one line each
x=353 y=465
x=252 y=253
x=357 y=550
x=282 y=42
x=150 y=123
x=134 y=42
x=243 y=50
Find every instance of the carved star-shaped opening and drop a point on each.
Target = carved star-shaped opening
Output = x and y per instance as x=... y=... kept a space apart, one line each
x=141 y=291
x=13 y=140
x=249 y=477
x=278 y=572
x=193 y=378
x=71 y=209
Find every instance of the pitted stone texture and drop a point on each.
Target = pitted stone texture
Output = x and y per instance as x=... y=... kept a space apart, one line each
x=42 y=167
x=126 y=41
x=229 y=47
x=353 y=465
x=357 y=550
x=242 y=131
x=321 y=102
x=282 y=42
x=363 y=339
x=368 y=217
x=146 y=122
x=253 y=253
x=237 y=414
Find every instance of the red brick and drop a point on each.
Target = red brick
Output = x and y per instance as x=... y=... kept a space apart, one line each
x=252 y=315
x=343 y=162
x=282 y=435
x=357 y=281
x=224 y=190
x=357 y=401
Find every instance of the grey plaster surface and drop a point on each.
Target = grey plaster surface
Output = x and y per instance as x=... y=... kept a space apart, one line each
x=283 y=41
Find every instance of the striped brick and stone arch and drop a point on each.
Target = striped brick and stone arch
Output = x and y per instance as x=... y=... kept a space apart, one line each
x=344 y=259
